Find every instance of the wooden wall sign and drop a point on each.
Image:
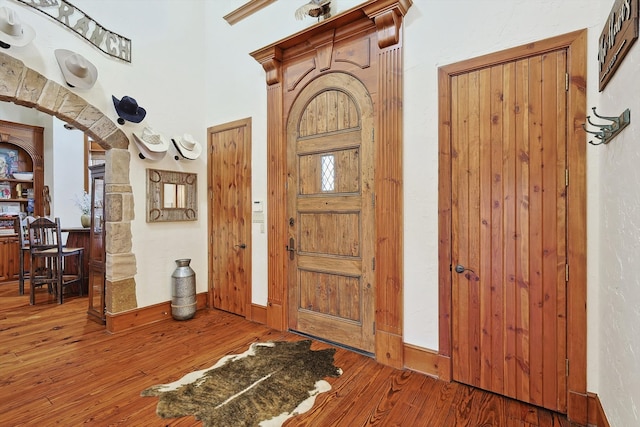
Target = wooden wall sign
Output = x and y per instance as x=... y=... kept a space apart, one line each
x=71 y=17
x=617 y=37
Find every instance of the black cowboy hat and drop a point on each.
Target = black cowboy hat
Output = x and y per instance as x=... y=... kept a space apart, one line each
x=129 y=109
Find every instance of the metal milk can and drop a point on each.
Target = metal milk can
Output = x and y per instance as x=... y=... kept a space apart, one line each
x=183 y=280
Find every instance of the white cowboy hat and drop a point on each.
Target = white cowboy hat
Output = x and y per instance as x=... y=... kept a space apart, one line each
x=151 y=144
x=77 y=71
x=188 y=147
x=13 y=31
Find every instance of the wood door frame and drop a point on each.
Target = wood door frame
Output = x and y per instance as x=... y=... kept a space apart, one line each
x=247 y=213
x=576 y=45
x=384 y=71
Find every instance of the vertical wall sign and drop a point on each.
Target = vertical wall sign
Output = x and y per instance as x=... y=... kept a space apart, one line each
x=617 y=37
x=73 y=18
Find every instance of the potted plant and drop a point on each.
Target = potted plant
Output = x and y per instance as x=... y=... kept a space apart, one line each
x=83 y=202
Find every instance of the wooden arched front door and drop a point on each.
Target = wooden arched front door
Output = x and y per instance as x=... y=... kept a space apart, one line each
x=330 y=210
x=364 y=42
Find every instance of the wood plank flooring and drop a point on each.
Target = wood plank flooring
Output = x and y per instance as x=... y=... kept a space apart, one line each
x=59 y=368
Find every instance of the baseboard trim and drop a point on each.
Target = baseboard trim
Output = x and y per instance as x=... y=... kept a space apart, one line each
x=596 y=416
x=259 y=314
x=428 y=362
x=275 y=316
x=146 y=315
x=389 y=349
x=577 y=408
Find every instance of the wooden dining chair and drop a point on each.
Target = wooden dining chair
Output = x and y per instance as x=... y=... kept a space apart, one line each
x=48 y=257
x=24 y=250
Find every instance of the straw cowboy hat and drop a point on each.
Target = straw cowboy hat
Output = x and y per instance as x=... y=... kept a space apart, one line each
x=14 y=32
x=187 y=146
x=77 y=71
x=151 y=144
x=128 y=109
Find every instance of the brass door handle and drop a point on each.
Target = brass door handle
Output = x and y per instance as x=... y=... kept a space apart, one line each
x=291 y=247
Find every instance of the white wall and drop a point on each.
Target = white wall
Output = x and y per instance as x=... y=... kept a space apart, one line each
x=618 y=290
x=67 y=167
x=166 y=77
x=437 y=32
x=236 y=88
x=197 y=72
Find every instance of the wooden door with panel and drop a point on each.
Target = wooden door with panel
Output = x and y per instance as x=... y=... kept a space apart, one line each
x=509 y=228
x=229 y=171
x=331 y=212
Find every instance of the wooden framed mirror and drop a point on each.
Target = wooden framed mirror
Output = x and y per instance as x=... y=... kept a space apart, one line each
x=171 y=196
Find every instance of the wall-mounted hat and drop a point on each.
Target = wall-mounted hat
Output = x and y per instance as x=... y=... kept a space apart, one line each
x=128 y=109
x=14 y=32
x=187 y=146
x=151 y=144
x=77 y=71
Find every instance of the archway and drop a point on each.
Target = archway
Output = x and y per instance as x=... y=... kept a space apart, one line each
x=24 y=86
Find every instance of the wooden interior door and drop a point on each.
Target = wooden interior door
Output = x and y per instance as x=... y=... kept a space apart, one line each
x=509 y=222
x=330 y=205
x=229 y=171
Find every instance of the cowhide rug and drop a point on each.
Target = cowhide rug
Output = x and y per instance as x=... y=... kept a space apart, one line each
x=263 y=386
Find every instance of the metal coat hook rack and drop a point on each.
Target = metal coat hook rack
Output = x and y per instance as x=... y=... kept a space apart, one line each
x=608 y=131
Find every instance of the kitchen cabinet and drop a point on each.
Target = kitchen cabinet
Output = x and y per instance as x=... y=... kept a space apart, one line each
x=9 y=260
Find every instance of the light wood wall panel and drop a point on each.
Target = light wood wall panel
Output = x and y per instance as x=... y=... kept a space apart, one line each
x=389 y=200
x=276 y=212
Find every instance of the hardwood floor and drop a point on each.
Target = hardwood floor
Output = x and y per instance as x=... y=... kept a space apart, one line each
x=59 y=368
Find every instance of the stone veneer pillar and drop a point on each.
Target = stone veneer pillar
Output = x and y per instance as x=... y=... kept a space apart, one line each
x=24 y=86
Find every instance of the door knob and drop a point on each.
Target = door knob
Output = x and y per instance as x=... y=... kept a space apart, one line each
x=461 y=269
x=241 y=246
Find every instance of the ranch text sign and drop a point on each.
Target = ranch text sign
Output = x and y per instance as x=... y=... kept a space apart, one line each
x=71 y=17
x=617 y=37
